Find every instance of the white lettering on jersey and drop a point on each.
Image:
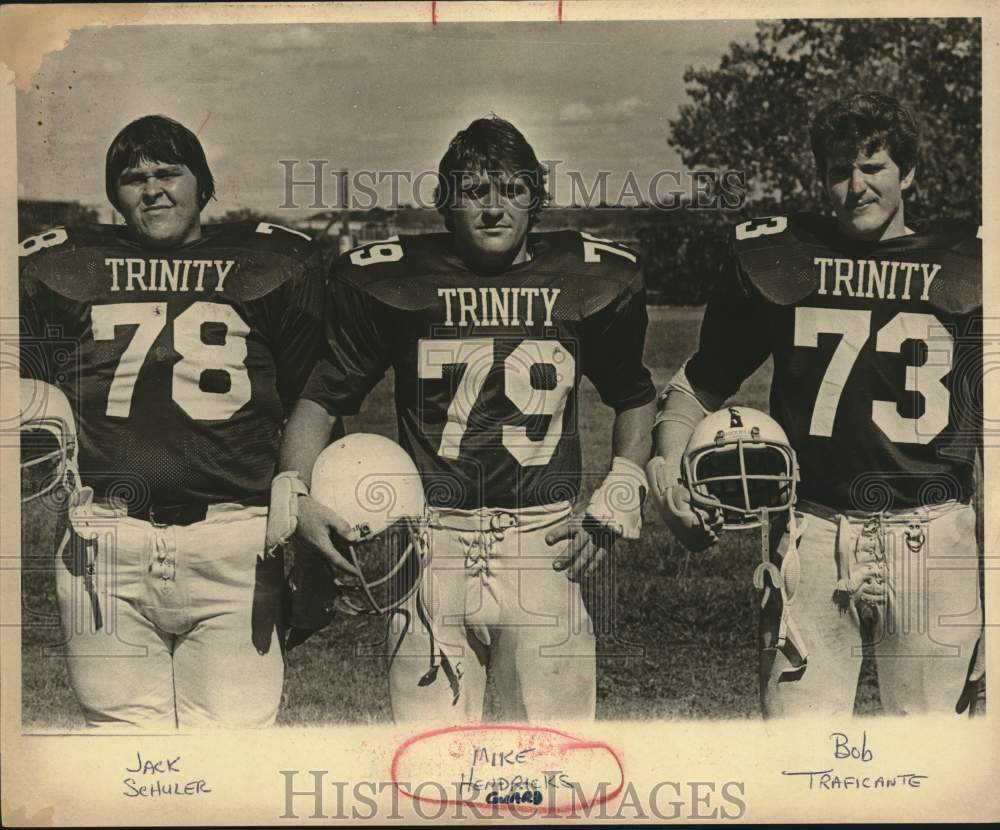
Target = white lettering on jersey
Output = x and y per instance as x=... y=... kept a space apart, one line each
x=869 y=278
x=168 y=274
x=928 y=279
x=496 y=306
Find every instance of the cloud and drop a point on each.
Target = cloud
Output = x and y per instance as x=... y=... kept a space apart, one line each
x=104 y=67
x=292 y=38
x=314 y=48
x=623 y=109
x=575 y=112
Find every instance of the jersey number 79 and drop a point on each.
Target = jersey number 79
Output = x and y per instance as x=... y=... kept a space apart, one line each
x=477 y=355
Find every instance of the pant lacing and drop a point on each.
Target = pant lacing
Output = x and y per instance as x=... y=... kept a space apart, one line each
x=865 y=562
x=481 y=545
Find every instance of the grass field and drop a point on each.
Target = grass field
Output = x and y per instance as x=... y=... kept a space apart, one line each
x=675 y=631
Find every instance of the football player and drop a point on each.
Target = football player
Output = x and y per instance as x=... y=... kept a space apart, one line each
x=180 y=347
x=875 y=331
x=490 y=330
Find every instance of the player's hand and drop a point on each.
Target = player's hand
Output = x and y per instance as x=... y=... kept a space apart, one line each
x=322 y=529
x=589 y=545
x=693 y=527
x=872 y=590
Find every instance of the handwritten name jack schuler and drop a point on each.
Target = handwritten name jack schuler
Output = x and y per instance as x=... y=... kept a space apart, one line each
x=150 y=779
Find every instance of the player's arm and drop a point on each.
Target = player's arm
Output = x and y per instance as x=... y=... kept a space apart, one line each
x=732 y=344
x=614 y=338
x=680 y=409
x=630 y=433
x=34 y=364
x=298 y=336
x=308 y=431
x=615 y=508
x=354 y=360
x=36 y=313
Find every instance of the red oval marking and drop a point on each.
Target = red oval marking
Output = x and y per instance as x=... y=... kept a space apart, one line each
x=471 y=762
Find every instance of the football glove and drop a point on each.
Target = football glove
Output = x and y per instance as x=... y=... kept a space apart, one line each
x=617 y=503
x=283 y=513
x=694 y=528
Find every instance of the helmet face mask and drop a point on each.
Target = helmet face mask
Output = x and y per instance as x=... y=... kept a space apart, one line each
x=371 y=483
x=739 y=461
x=392 y=564
x=48 y=441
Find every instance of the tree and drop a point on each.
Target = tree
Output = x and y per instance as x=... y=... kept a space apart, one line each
x=752 y=112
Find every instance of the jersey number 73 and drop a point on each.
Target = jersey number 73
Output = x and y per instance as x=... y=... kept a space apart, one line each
x=927 y=379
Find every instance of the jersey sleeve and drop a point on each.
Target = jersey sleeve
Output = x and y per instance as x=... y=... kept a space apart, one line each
x=30 y=333
x=734 y=339
x=41 y=342
x=298 y=341
x=356 y=353
x=613 y=342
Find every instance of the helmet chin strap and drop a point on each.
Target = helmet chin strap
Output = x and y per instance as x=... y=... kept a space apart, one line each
x=789 y=639
x=766 y=566
x=437 y=656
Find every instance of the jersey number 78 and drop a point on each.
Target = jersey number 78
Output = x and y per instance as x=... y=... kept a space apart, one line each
x=197 y=357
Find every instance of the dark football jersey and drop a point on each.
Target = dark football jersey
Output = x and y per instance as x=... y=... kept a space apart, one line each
x=487 y=368
x=877 y=355
x=181 y=363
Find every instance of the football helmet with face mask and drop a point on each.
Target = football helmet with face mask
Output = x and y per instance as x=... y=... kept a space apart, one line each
x=48 y=441
x=371 y=483
x=738 y=461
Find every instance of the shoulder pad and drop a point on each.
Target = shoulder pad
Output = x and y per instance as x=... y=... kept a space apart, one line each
x=961 y=237
x=65 y=258
x=958 y=248
x=582 y=252
x=775 y=254
x=413 y=256
x=395 y=270
x=68 y=238
x=259 y=236
x=603 y=270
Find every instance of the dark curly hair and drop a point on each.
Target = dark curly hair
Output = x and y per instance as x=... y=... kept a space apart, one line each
x=491 y=146
x=157 y=138
x=865 y=122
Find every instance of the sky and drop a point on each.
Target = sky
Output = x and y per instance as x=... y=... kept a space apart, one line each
x=362 y=97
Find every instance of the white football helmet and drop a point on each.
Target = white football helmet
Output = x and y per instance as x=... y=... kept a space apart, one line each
x=371 y=483
x=48 y=441
x=738 y=460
